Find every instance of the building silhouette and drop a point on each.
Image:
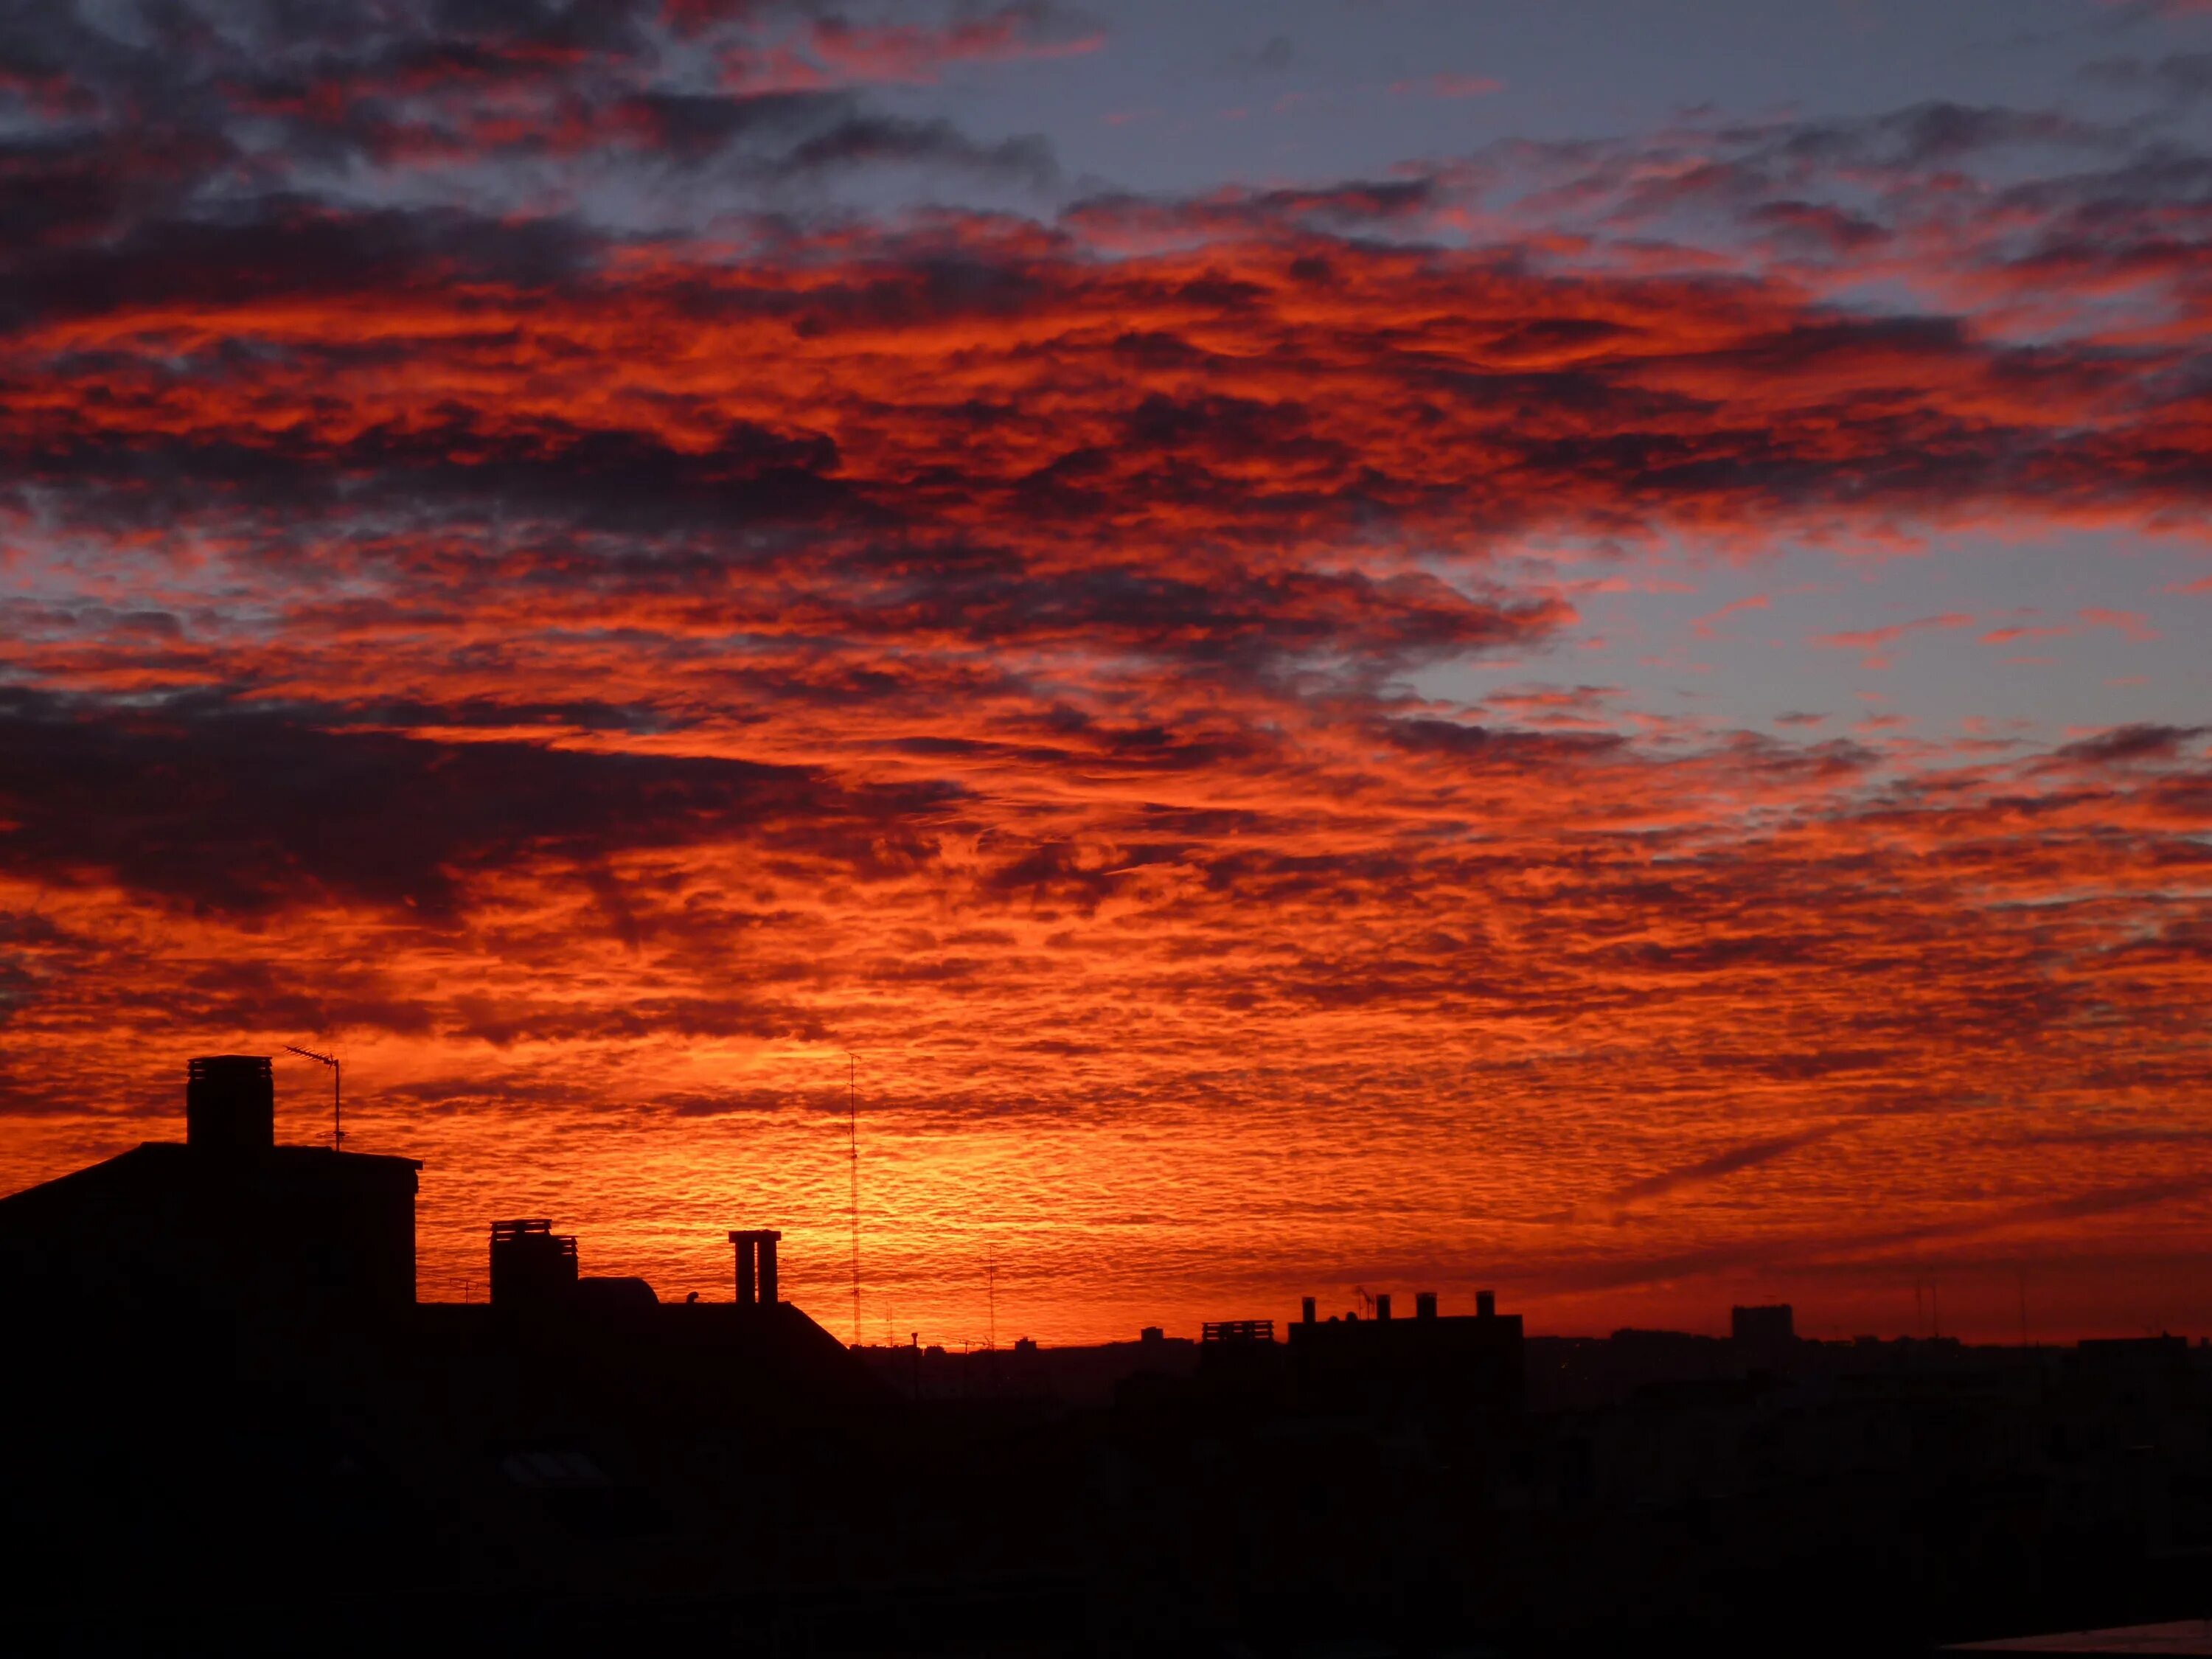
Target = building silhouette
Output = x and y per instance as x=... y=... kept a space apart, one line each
x=226 y=1220
x=227 y=1425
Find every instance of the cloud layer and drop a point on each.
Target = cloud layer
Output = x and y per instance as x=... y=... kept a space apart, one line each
x=495 y=580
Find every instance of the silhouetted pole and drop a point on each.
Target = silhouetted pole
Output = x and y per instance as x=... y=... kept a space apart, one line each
x=337 y=1110
x=853 y=1148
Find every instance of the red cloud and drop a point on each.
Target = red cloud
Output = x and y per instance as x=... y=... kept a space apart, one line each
x=1703 y=626
x=920 y=55
x=2127 y=622
x=599 y=674
x=1876 y=641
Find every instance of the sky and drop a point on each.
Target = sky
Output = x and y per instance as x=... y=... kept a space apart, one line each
x=1352 y=645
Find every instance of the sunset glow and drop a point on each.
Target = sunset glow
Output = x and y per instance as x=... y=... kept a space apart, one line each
x=1622 y=717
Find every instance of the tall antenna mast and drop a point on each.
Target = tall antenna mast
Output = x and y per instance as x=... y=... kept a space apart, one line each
x=337 y=1110
x=853 y=1148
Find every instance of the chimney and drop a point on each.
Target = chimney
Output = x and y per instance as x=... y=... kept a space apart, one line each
x=755 y=1268
x=1306 y=1310
x=1485 y=1304
x=1425 y=1304
x=1383 y=1305
x=230 y=1104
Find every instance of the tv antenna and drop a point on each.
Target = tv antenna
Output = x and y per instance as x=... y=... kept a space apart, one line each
x=337 y=1110
x=852 y=1149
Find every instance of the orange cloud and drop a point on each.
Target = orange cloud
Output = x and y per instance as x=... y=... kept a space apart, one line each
x=596 y=676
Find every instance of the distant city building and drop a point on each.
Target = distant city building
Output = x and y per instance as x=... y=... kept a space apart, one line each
x=1448 y=1364
x=1776 y=1322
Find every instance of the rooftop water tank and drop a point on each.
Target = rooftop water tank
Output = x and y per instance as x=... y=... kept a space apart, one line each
x=230 y=1104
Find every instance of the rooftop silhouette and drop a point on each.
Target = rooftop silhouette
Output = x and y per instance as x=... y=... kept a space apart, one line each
x=226 y=1328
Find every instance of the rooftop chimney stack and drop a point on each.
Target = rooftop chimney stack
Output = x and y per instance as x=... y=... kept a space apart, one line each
x=230 y=1104
x=1485 y=1304
x=1306 y=1310
x=1383 y=1305
x=1425 y=1304
x=755 y=1268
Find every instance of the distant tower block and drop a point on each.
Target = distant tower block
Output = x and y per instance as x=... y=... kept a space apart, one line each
x=230 y=1104
x=755 y=1268
x=1775 y=1323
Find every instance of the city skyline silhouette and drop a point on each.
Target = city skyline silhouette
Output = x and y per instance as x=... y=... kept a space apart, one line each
x=1021 y=827
x=228 y=1322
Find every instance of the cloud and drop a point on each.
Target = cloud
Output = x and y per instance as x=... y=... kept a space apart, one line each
x=238 y=810
x=1728 y=1162
x=2181 y=76
x=302 y=97
x=509 y=568
x=2129 y=622
x=1703 y=626
x=906 y=53
x=1875 y=641
x=2131 y=743
x=1445 y=84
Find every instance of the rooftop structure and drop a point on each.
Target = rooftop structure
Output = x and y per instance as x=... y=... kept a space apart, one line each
x=530 y=1263
x=1458 y=1362
x=755 y=1268
x=228 y=1219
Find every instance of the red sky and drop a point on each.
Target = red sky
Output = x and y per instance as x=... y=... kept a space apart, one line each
x=588 y=560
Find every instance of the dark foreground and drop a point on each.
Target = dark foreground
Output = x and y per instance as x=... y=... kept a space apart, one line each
x=718 y=1480
x=227 y=1427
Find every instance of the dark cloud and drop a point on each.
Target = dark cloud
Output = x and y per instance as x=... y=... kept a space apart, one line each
x=1831 y=227
x=239 y=811
x=864 y=140
x=2125 y=744
x=179 y=110
x=1750 y=1155
x=288 y=247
